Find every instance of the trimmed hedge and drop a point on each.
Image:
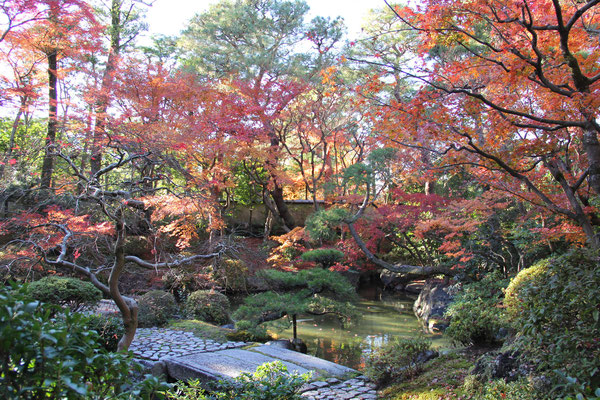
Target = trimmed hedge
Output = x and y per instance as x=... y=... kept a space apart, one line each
x=156 y=308
x=208 y=306
x=65 y=292
x=527 y=277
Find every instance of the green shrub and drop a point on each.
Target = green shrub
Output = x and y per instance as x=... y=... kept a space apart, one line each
x=48 y=352
x=324 y=224
x=558 y=324
x=66 y=292
x=208 y=306
x=271 y=381
x=326 y=257
x=476 y=316
x=397 y=359
x=156 y=308
x=109 y=328
x=526 y=277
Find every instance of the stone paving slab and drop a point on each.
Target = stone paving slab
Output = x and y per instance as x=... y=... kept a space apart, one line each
x=306 y=361
x=224 y=364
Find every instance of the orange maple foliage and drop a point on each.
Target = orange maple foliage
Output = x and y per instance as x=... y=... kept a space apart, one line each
x=509 y=90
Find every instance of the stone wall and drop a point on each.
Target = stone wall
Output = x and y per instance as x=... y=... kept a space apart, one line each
x=255 y=216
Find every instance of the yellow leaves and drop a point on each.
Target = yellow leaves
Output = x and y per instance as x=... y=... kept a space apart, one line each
x=291 y=246
x=183 y=230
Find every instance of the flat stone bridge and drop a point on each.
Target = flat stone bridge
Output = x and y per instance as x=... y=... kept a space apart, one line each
x=184 y=356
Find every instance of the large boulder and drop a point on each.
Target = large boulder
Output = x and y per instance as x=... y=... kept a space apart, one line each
x=508 y=365
x=432 y=303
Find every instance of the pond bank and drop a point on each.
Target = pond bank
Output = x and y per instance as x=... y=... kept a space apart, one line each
x=384 y=316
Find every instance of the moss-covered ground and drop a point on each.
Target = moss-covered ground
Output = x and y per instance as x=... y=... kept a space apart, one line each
x=201 y=329
x=441 y=379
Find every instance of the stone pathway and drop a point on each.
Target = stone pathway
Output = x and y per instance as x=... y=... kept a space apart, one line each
x=156 y=343
x=358 y=388
x=183 y=353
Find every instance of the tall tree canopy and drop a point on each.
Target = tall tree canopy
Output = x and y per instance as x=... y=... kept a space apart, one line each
x=269 y=54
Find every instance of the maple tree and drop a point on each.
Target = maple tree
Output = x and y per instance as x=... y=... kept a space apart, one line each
x=17 y=14
x=151 y=175
x=63 y=30
x=21 y=89
x=508 y=89
x=311 y=132
x=395 y=221
x=125 y=24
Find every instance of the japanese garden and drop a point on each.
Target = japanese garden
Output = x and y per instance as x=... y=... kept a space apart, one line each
x=270 y=205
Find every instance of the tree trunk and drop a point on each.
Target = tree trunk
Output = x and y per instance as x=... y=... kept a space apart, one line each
x=295 y=327
x=11 y=142
x=412 y=271
x=127 y=306
x=268 y=225
x=579 y=213
x=48 y=163
x=282 y=208
x=105 y=90
x=592 y=149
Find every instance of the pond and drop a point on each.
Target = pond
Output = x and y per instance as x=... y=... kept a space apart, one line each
x=384 y=316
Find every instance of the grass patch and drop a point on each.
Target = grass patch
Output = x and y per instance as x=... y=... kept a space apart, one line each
x=201 y=329
x=441 y=379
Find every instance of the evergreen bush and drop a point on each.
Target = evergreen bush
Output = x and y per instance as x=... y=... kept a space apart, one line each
x=558 y=321
x=325 y=257
x=156 y=308
x=109 y=328
x=208 y=306
x=65 y=292
x=476 y=314
x=181 y=284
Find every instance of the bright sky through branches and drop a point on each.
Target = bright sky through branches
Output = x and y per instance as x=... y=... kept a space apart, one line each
x=169 y=17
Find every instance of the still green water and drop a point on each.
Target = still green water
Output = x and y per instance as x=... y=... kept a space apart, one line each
x=384 y=316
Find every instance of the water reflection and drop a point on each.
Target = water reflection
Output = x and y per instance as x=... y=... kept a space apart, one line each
x=384 y=316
